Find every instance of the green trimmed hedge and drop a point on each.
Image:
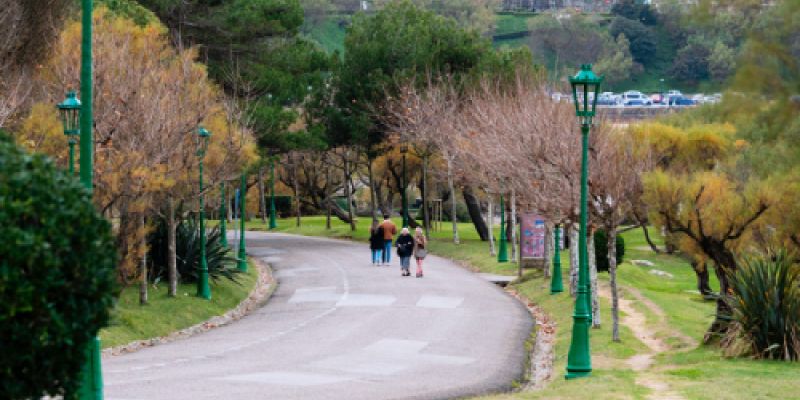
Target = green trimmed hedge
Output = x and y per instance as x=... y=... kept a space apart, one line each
x=57 y=269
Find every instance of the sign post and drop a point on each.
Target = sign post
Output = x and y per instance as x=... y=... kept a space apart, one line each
x=533 y=241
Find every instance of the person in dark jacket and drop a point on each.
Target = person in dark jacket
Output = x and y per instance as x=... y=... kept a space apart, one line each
x=376 y=242
x=405 y=248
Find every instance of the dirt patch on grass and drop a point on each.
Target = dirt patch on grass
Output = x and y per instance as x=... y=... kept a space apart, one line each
x=636 y=321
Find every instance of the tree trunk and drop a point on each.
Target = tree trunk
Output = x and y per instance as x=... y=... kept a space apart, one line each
x=296 y=191
x=172 y=259
x=327 y=198
x=513 y=225
x=490 y=217
x=372 y=194
x=426 y=218
x=611 y=235
x=453 y=210
x=548 y=250
x=648 y=239
x=143 y=267
x=573 y=258
x=593 y=283
x=474 y=209
x=701 y=271
x=347 y=191
x=262 y=205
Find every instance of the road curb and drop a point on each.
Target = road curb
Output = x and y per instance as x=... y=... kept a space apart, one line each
x=262 y=291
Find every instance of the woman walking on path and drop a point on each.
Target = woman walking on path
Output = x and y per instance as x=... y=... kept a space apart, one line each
x=376 y=243
x=405 y=248
x=420 y=249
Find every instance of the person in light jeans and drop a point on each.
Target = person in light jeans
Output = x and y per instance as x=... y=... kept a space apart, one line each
x=389 y=230
x=376 y=243
x=405 y=248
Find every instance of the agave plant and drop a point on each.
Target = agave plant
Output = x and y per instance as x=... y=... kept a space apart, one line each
x=187 y=249
x=766 y=307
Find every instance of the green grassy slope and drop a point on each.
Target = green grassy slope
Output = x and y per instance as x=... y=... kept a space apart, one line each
x=163 y=315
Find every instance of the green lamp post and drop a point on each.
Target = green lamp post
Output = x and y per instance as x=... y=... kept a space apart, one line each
x=585 y=84
x=272 y=220
x=91 y=386
x=556 y=281
x=70 y=111
x=223 y=216
x=242 y=256
x=403 y=151
x=502 y=252
x=203 y=290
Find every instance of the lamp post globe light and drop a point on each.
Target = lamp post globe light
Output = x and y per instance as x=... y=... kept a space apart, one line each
x=203 y=290
x=403 y=151
x=585 y=91
x=70 y=111
x=556 y=281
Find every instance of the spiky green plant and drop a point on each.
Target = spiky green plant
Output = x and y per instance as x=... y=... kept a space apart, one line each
x=221 y=264
x=766 y=308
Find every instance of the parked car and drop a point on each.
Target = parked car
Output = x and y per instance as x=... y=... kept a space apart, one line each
x=607 y=99
x=681 y=101
x=635 y=98
x=674 y=93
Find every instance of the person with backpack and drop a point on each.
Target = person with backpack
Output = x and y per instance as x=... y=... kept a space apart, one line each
x=376 y=243
x=405 y=248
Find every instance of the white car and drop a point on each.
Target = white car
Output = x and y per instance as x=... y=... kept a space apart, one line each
x=635 y=98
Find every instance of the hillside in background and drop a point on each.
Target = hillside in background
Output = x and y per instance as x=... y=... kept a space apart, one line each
x=692 y=48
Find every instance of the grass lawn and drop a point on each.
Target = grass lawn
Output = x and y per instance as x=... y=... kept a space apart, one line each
x=689 y=371
x=163 y=315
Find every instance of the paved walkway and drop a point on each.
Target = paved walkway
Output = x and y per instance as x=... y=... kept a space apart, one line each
x=339 y=328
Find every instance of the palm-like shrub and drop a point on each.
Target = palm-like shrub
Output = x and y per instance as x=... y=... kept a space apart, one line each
x=766 y=308
x=187 y=250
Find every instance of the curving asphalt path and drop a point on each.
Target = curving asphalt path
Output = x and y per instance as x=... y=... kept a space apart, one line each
x=339 y=328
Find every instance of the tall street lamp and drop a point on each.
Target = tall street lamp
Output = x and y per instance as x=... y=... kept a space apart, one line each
x=70 y=110
x=403 y=151
x=585 y=84
x=203 y=290
x=502 y=252
x=91 y=386
x=556 y=281
x=242 y=257
x=223 y=216
x=272 y=220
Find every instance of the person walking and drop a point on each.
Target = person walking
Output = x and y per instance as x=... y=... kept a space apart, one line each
x=376 y=243
x=405 y=248
x=389 y=230
x=420 y=249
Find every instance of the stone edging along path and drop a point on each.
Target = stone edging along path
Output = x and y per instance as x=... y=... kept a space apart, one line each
x=264 y=287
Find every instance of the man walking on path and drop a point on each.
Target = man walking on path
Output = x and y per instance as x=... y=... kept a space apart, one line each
x=389 y=230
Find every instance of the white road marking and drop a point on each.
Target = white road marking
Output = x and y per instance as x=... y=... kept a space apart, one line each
x=288 y=378
x=439 y=302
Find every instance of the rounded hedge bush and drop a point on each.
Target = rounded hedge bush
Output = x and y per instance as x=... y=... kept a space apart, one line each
x=57 y=262
x=601 y=250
